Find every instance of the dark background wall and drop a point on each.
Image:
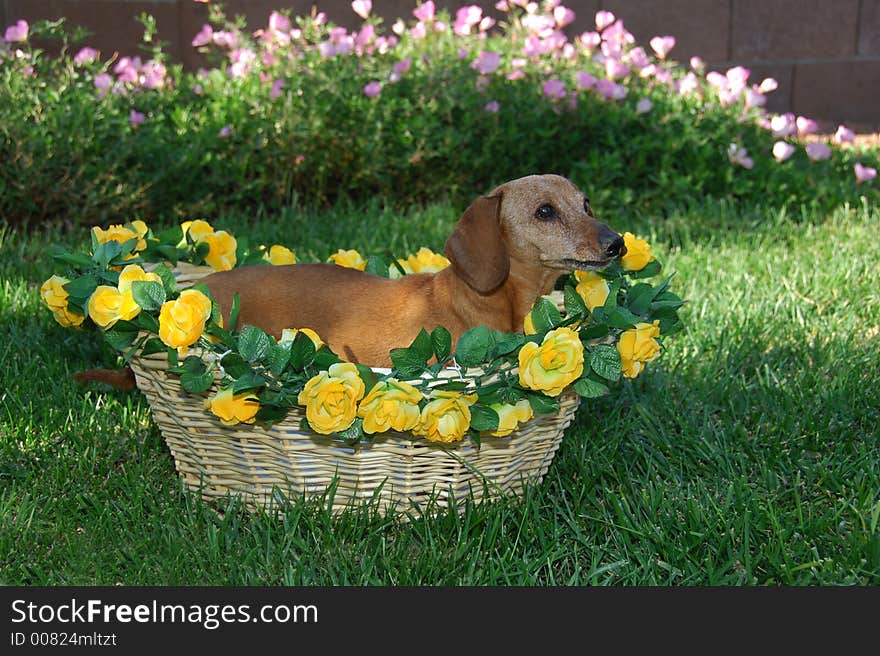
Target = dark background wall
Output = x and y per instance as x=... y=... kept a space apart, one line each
x=824 y=53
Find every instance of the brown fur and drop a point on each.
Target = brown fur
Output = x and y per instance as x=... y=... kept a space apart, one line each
x=503 y=258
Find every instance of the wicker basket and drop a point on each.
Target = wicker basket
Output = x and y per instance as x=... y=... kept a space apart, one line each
x=393 y=469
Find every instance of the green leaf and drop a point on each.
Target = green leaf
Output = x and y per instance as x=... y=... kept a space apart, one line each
x=148 y=322
x=169 y=282
x=594 y=331
x=441 y=343
x=79 y=289
x=324 y=358
x=605 y=361
x=377 y=265
x=422 y=346
x=483 y=418
x=148 y=294
x=545 y=315
x=589 y=388
x=640 y=297
x=234 y=365
x=107 y=252
x=453 y=386
x=192 y=364
x=407 y=363
x=620 y=317
x=234 y=312
x=172 y=236
x=78 y=260
x=368 y=376
x=651 y=269
x=152 y=345
x=574 y=304
x=248 y=381
x=302 y=352
x=196 y=383
x=473 y=346
x=119 y=339
x=253 y=343
x=277 y=357
x=353 y=433
x=270 y=414
x=505 y=343
x=171 y=253
x=542 y=404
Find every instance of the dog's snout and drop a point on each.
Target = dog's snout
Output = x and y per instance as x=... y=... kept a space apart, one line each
x=612 y=244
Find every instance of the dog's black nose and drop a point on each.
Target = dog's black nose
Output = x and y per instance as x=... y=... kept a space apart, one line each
x=616 y=247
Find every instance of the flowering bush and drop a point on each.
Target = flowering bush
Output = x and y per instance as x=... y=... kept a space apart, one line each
x=126 y=286
x=438 y=106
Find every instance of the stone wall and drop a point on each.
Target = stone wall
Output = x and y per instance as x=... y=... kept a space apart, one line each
x=824 y=53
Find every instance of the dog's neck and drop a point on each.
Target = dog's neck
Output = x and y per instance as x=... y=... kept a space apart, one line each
x=506 y=307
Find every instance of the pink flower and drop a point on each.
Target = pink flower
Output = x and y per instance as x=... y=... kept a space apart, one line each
x=563 y=15
x=487 y=62
x=616 y=69
x=492 y=107
x=604 y=19
x=740 y=156
x=487 y=23
x=418 y=30
x=204 y=37
x=466 y=18
x=783 y=150
x=399 y=68
x=806 y=125
x=768 y=84
x=425 y=11
x=482 y=83
x=502 y=5
x=662 y=45
x=687 y=84
x=225 y=39
x=277 y=86
x=279 y=22
x=225 y=132
x=364 y=37
x=517 y=74
x=844 y=135
x=643 y=106
x=85 y=56
x=372 y=89
x=135 y=118
x=737 y=78
x=697 y=64
x=864 y=173
x=399 y=27
x=242 y=62
x=716 y=80
x=17 y=32
x=783 y=125
x=638 y=59
x=754 y=97
x=817 y=151
x=590 y=40
x=584 y=80
x=153 y=75
x=362 y=8
x=610 y=90
x=554 y=89
x=102 y=83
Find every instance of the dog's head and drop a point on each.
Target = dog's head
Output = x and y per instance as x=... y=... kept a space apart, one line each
x=537 y=222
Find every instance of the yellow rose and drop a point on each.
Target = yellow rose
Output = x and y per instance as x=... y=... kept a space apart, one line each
x=234 y=408
x=121 y=234
x=182 y=322
x=553 y=365
x=55 y=297
x=107 y=305
x=390 y=405
x=510 y=416
x=134 y=273
x=592 y=287
x=331 y=398
x=221 y=257
x=446 y=418
x=423 y=261
x=351 y=259
x=289 y=334
x=279 y=255
x=638 y=346
x=199 y=230
x=529 y=324
x=638 y=253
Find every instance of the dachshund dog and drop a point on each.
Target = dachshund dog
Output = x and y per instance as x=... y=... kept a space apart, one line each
x=508 y=248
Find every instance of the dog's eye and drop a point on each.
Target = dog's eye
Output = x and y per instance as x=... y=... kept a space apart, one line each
x=546 y=213
x=587 y=208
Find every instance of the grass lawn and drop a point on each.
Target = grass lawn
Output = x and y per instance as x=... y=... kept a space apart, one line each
x=748 y=454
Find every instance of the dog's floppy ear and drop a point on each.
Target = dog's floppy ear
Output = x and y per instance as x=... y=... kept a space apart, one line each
x=476 y=246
